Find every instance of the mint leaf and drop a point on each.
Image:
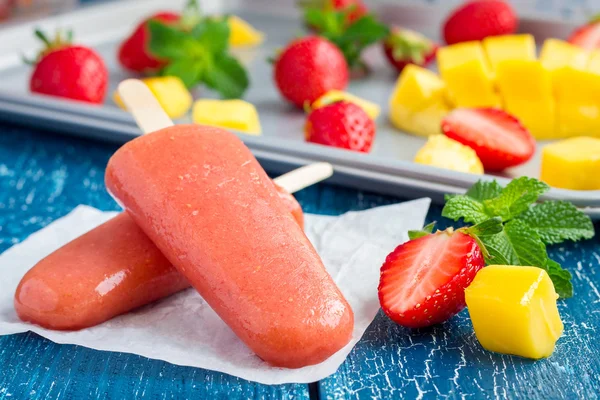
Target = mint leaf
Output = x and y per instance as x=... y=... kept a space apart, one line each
x=427 y=230
x=359 y=35
x=188 y=70
x=526 y=244
x=557 y=221
x=227 y=76
x=170 y=43
x=464 y=207
x=561 y=279
x=488 y=227
x=500 y=249
x=515 y=198
x=484 y=190
x=212 y=34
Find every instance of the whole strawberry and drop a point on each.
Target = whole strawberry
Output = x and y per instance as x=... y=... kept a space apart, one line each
x=134 y=54
x=342 y=124
x=423 y=281
x=404 y=46
x=478 y=19
x=309 y=67
x=70 y=71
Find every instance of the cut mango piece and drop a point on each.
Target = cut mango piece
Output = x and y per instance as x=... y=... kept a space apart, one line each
x=238 y=115
x=170 y=92
x=418 y=102
x=578 y=104
x=572 y=164
x=372 y=109
x=467 y=75
x=557 y=54
x=242 y=34
x=513 y=310
x=443 y=152
x=509 y=47
x=526 y=88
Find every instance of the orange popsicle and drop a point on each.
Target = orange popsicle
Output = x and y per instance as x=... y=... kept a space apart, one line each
x=206 y=203
x=106 y=272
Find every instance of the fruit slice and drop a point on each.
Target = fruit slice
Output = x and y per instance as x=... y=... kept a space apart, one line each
x=509 y=47
x=422 y=281
x=513 y=310
x=587 y=36
x=498 y=138
x=467 y=75
x=372 y=109
x=418 y=102
x=238 y=115
x=526 y=89
x=557 y=54
x=442 y=152
x=242 y=34
x=572 y=164
x=170 y=92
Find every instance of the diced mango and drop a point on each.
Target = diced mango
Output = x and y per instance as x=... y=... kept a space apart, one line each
x=578 y=102
x=443 y=152
x=594 y=62
x=242 y=34
x=557 y=54
x=170 y=92
x=467 y=75
x=572 y=164
x=526 y=89
x=372 y=109
x=509 y=47
x=238 y=115
x=418 y=102
x=513 y=310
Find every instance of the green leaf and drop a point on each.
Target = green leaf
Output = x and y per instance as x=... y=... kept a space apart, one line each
x=212 y=34
x=488 y=227
x=190 y=71
x=515 y=198
x=557 y=221
x=561 y=279
x=465 y=207
x=526 y=244
x=227 y=76
x=427 y=230
x=170 y=43
x=484 y=190
x=500 y=249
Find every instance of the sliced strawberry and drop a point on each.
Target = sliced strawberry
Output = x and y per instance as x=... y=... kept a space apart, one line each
x=404 y=46
x=498 y=138
x=423 y=281
x=587 y=36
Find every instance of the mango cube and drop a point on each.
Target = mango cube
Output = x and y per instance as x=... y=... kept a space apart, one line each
x=468 y=77
x=443 y=152
x=572 y=164
x=526 y=88
x=332 y=96
x=557 y=54
x=513 y=310
x=418 y=102
x=238 y=115
x=242 y=34
x=170 y=92
x=509 y=47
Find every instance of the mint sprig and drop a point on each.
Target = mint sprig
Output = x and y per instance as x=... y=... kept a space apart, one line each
x=527 y=226
x=199 y=54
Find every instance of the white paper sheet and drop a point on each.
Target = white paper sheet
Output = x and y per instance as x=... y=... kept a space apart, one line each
x=184 y=330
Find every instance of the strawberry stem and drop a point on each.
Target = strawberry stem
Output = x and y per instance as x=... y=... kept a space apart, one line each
x=42 y=36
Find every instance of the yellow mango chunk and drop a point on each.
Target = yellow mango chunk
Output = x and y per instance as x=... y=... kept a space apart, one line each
x=526 y=89
x=373 y=110
x=468 y=77
x=578 y=104
x=443 y=152
x=513 y=310
x=170 y=92
x=242 y=34
x=418 y=102
x=238 y=115
x=572 y=164
x=509 y=47
x=557 y=54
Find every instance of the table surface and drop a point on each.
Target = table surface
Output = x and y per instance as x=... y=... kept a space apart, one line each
x=43 y=176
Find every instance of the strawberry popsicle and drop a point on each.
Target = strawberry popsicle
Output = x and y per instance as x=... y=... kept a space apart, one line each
x=221 y=223
x=106 y=272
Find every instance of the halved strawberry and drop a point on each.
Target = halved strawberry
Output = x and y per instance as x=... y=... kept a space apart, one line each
x=588 y=35
x=423 y=281
x=404 y=46
x=498 y=138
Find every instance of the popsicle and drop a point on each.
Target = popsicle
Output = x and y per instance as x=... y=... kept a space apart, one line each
x=222 y=225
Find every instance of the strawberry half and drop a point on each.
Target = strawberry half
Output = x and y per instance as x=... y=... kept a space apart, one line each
x=423 y=281
x=404 y=46
x=588 y=35
x=498 y=138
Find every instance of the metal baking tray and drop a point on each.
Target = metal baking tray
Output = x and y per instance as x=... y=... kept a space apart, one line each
x=387 y=169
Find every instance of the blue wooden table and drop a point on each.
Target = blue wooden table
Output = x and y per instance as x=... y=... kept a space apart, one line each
x=43 y=176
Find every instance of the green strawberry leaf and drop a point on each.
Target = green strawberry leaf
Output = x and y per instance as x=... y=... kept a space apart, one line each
x=227 y=76
x=561 y=279
x=557 y=221
x=427 y=230
x=471 y=210
x=170 y=43
x=213 y=35
x=484 y=190
x=515 y=198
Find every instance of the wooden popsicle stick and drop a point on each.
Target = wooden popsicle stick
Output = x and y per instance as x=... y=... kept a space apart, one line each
x=304 y=177
x=150 y=116
x=146 y=110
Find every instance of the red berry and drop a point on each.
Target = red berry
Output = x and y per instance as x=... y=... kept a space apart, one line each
x=134 y=54
x=497 y=137
x=587 y=36
x=478 y=19
x=403 y=47
x=423 y=281
x=359 y=9
x=344 y=125
x=308 y=68
x=73 y=72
